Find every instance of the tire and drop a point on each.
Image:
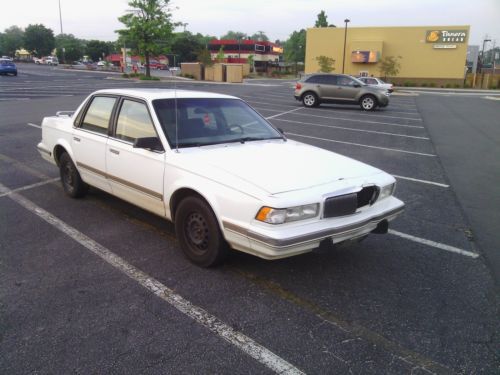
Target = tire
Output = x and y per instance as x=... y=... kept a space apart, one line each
x=198 y=233
x=368 y=102
x=72 y=183
x=310 y=99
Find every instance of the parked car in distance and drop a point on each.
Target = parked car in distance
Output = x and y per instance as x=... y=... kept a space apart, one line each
x=101 y=63
x=156 y=65
x=7 y=67
x=47 y=60
x=373 y=81
x=225 y=176
x=320 y=88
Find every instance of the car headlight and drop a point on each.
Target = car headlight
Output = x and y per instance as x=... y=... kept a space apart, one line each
x=387 y=191
x=285 y=215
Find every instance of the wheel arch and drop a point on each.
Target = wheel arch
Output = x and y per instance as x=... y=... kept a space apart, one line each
x=61 y=147
x=185 y=192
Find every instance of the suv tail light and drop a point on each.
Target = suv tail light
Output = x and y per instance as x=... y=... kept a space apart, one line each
x=298 y=86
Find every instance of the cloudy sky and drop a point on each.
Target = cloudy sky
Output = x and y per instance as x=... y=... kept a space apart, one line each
x=97 y=19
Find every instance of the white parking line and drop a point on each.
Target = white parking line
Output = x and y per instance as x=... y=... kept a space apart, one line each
x=435 y=244
x=34 y=125
x=422 y=181
x=353 y=129
x=27 y=187
x=284 y=113
x=364 y=114
x=202 y=317
x=362 y=145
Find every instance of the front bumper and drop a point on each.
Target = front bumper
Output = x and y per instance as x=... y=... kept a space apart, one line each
x=274 y=242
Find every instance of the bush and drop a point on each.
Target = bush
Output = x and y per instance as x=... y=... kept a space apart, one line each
x=424 y=84
x=125 y=75
x=145 y=78
x=432 y=84
x=456 y=85
x=407 y=84
x=188 y=76
x=448 y=86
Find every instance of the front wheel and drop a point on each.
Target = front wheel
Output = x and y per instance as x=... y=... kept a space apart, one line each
x=368 y=102
x=198 y=232
x=72 y=183
x=310 y=99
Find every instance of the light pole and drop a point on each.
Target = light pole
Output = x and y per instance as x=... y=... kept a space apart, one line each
x=345 y=39
x=60 y=23
x=482 y=52
x=239 y=48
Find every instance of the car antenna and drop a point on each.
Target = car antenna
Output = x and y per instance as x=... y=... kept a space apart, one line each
x=176 y=124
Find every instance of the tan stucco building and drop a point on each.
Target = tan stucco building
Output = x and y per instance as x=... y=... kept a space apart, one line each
x=431 y=54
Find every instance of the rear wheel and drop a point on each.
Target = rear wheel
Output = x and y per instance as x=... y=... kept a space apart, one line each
x=72 y=183
x=368 y=102
x=198 y=232
x=310 y=99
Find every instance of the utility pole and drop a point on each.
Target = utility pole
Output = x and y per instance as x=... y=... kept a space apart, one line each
x=345 y=40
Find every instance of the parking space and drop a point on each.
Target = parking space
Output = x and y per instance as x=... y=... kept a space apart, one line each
x=97 y=285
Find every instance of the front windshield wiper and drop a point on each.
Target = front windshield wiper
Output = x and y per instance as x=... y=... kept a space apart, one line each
x=250 y=139
x=241 y=140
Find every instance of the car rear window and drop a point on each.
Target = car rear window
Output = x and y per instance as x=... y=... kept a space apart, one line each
x=98 y=114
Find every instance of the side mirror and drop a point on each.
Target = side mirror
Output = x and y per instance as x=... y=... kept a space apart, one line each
x=149 y=143
x=357 y=85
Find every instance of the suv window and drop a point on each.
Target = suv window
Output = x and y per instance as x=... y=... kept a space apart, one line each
x=323 y=78
x=134 y=122
x=345 y=81
x=98 y=114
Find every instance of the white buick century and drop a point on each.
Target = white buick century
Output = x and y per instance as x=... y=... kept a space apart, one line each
x=224 y=175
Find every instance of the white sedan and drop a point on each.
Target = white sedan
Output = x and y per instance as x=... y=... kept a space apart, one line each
x=373 y=81
x=225 y=176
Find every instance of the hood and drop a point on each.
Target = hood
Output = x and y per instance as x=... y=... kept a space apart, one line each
x=275 y=166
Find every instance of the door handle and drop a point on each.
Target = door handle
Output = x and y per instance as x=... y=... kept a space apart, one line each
x=76 y=139
x=114 y=151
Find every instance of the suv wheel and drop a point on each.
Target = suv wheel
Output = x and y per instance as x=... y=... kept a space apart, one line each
x=368 y=102
x=310 y=99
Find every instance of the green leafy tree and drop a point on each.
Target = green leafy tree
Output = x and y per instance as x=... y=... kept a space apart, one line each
x=69 y=48
x=97 y=49
x=39 y=40
x=149 y=24
x=186 y=46
x=389 y=66
x=12 y=40
x=295 y=47
x=326 y=64
x=251 y=62
x=260 y=36
x=321 y=21
x=220 y=54
x=204 y=56
x=234 y=35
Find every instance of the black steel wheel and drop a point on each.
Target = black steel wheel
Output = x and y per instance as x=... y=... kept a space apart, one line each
x=198 y=232
x=72 y=183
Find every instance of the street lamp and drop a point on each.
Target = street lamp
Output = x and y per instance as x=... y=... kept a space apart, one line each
x=345 y=39
x=482 y=52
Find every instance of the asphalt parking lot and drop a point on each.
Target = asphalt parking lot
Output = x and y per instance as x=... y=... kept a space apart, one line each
x=99 y=286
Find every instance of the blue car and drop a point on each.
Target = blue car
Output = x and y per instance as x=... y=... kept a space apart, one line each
x=8 y=67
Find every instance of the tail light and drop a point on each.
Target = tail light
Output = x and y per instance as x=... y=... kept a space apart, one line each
x=298 y=86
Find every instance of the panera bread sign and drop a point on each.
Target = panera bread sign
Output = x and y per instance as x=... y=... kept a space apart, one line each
x=446 y=36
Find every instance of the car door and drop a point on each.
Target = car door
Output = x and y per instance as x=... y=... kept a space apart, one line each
x=347 y=89
x=135 y=174
x=89 y=140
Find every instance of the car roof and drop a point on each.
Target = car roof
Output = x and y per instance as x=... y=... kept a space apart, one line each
x=152 y=94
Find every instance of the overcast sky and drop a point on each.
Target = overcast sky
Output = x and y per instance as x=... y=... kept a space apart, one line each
x=97 y=19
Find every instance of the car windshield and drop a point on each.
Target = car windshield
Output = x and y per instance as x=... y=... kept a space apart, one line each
x=209 y=121
x=6 y=62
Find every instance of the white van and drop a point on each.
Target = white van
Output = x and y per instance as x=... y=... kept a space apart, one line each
x=51 y=60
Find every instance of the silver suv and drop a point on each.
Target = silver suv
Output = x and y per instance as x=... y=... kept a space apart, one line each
x=339 y=88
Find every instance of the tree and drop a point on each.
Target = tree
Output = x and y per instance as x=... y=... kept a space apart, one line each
x=97 y=49
x=321 y=20
x=148 y=24
x=235 y=35
x=251 y=62
x=326 y=64
x=389 y=66
x=295 y=47
x=186 y=46
x=220 y=54
x=260 y=36
x=204 y=56
x=69 y=48
x=12 y=40
x=39 y=40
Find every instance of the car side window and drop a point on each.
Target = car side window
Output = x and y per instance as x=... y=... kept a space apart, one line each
x=97 y=117
x=315 y=79
x=330 y=80
x=134 y=122
x=345 y=81
x=372 y=81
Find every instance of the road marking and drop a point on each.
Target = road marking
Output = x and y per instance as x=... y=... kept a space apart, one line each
x=202 y=317
x=34 y=125
x=422 y=181
x=492 y=97
x=27 y=187
x=362 y=145
x=363 y=121
x=435 y=244
x=354 y=130
x=363 y=114
x=284 y=113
